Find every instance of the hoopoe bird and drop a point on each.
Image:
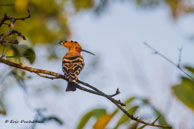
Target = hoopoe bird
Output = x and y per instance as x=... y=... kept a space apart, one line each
x=72 y=63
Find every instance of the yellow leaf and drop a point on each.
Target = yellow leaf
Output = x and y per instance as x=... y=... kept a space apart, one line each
x=21 y=5
x=3 y=112
x=83 y=4
x=102 y=122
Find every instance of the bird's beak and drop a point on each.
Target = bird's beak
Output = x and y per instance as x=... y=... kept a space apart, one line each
x=88 y=52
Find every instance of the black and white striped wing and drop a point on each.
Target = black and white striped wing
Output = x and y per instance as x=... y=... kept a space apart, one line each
x=72 y=66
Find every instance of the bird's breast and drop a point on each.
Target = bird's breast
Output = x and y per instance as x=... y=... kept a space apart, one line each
x=72 y=66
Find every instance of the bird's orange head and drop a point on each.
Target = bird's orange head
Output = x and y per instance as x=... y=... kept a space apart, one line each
x=73 y=45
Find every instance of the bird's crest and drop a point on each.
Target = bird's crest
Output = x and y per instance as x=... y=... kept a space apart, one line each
x=70 y=44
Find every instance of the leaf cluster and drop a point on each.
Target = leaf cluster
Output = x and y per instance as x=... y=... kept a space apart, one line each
x=104 y=118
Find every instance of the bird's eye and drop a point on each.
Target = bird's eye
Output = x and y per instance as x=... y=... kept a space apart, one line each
x=62 y=42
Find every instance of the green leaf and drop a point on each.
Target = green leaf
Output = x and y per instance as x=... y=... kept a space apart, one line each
x=133 y=125
x=23 y=51
x=93 y=113
x=189 y=68
x=141 y=127
x=30 y=55
x=19 y=49
x=83 y=4
x=123 y=119
x=185 y=92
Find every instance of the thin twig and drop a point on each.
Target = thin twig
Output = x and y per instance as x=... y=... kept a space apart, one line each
x=93 y=91
x=116 y=93
x=102 y=93
x=13 y=19
x=170 y=61
x=180 y=57
x=156 y=119
x=41 y=75
x=11 y=31
x=24 y=18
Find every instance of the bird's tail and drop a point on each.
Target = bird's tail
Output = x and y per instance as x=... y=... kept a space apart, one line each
x=71 y=86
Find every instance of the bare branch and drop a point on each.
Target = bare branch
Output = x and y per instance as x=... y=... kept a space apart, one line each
x=11 y=31
x=87 y=90
x=170 y=61
x=92 y=89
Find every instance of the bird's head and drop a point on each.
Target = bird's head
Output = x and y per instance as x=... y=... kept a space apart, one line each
x=73 y=45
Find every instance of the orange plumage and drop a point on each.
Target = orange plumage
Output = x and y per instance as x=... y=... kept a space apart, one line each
x=72 y=63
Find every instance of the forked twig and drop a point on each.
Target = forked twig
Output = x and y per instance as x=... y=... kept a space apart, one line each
x=178 y=66
x=11 y=23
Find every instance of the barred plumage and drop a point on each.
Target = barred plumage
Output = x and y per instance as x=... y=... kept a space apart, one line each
x=72 y=66
x=72 y=63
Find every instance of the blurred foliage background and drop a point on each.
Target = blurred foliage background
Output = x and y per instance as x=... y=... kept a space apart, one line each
x=50 y=18
x=49 y=23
